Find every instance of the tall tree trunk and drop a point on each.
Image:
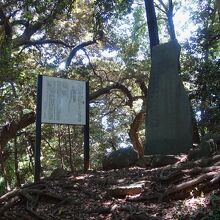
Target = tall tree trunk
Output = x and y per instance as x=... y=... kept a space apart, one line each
x=168 y=10
x=5 y=176
x=171 y=28
x=60 y=148
x=66 y=153
x=30 y=151
x=196 y=137
x=17 y=175
x=217 y=2
x=152 y=23
x=70 y=149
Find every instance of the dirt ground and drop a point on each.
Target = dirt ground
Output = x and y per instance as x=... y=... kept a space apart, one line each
x=130 y=194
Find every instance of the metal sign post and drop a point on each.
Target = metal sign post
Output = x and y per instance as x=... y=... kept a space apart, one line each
x=61 y=101
x=86 y=131
x=37 y=167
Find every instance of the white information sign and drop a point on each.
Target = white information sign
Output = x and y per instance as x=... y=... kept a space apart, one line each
x=63 y=101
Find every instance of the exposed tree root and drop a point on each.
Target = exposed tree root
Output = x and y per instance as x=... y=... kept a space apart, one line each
x=144 y=197
x=13 y=201
x=216 y=179
x=200 y=174
x=177 y=181
x=31 y=196
x=165 y=175
x=9 y=195
x=100 y=210
x=190 y=184
x=35 y=214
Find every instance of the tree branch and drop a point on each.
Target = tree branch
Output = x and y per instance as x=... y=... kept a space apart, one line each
x=48 y=41
x=9 y=130
x=161 y=9
x=164 y=6
x=134 y=135
x=32 y=28
x=76 y=48
x=19 y=22
x=28 y=32
x=108 y=89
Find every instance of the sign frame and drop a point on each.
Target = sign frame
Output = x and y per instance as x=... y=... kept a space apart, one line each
x=37 y=153
x=60 y=97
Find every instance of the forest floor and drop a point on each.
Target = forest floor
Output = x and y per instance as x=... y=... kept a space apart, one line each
x=130 y=193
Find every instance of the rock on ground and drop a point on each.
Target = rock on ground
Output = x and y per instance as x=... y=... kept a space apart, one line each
x=121 y=158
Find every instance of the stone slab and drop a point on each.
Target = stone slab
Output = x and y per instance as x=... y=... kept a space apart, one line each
x=130 y=189
x=169 y=121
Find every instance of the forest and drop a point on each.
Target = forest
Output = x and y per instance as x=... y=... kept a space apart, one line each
x=107 y=43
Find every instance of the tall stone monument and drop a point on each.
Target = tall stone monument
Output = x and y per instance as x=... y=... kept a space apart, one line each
x=169 y=121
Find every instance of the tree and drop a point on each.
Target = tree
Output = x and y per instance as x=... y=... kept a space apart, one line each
x=27 y=30
x=167 y=9
x=202 y=55
x=152 y=23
